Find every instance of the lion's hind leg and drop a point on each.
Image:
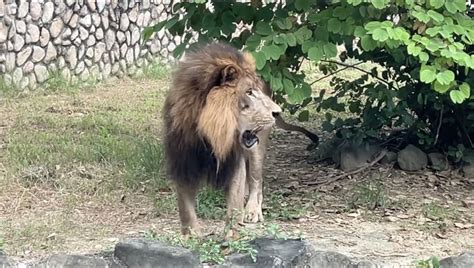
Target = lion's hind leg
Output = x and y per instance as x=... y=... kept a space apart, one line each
x=187 y=209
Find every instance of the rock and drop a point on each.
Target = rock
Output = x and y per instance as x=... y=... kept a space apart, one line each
x=438 y=161
x=389 y=158
x=41 y=73
x=70 y=2
x=20 y=27
x=67 y=16
x=115 y=68
x=99 y=51
x=136 y=51
x=100 y=5
x=84 y=75
x=56 y=27
x=145 y=4
x=38 y=54
x=23 y=55
x=73 y=261
x=353 y=157
x=71 y=56
x=88 y=62
x=124 y=22
x=23 y=9
x=17 y=76
x=32 y=33
x=135 y=35
x=60 y=7
x=81 y=51
x=147 y=253
x=121 y=37
x=468 y=171
x=83 y=33
x=411 y=158
x=44 y=37
x=4 y=262
x=74 y=34
x=3 y=32
x=105 y=20
x=80 y=67
x=90 y=41
x=107 y=70
x=133 y=14
x=32 y=81
x=140 y=20
x=146 y=18
x=35 y=10
x=288 y=253
x=28 y=67
x=48 y=12
x=109 y=38
x=96 y=19
x=99 y=34
x=86 y=21
x=90 y=53
x=10 y=61
x=51 y=53
x=18 y=42
x=74 y=20
x=123 y=50
x=464 y=260
x=91 y=4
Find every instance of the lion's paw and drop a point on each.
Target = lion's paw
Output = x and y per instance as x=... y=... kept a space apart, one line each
x=253 y=212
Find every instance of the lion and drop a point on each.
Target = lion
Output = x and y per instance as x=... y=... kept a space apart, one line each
x=218 y=115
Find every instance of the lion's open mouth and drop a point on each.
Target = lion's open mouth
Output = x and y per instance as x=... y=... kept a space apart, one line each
x=249 y=139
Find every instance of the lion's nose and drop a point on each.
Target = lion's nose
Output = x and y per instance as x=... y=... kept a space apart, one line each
x=275 y=114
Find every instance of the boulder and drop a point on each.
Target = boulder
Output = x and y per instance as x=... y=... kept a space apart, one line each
x=72 y=261
x=464 y=260
x=438 y=161
x=411 y=158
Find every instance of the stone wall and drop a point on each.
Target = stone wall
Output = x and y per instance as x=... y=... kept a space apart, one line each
x=78 y=39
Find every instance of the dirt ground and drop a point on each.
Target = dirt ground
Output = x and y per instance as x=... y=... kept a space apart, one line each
x=381 y=214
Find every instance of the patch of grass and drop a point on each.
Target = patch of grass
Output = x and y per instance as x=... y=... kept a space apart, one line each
x=156 y=71
x=6 y=89
x=370 y=196
x=57 y=82
x=432 y=262
x=436 y=212
x=211 y=204
x=279 y=208
x=213 y=249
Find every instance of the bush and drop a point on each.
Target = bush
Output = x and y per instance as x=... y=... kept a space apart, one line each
x=423 y=49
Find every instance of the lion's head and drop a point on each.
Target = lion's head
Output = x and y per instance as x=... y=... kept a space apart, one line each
x=236 y=107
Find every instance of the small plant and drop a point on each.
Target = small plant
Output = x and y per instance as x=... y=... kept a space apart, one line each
x=432 y=262
x=2 y=243
x=211 y=249
x=436 y=212
x=280 y=209
x=274 y=231
x=211 y=204
x=370 y=196
x=156 y=70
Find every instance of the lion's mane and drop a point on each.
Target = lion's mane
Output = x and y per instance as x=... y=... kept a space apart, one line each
x=200 y=138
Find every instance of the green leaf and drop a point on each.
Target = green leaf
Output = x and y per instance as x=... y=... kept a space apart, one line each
x=441 y=88
x=260 y=59
x=435 y=16
x=301 y=93
x=437 y=3
x=315 y=54
x=465 y=89
x=334 y=25
x=427 y=74
x=279 y=39
x=453 y=6
x=288 y=86
x=253 y=42
x=373 y=25
x=272 y=52
x=380 y=4
x=303 y=116
x=359 y=31
x=368 y=43
x=380 y=35
x=457 y=96
x=401 y=34
x=291 y=39
x=424 y=57
x=179 y=50
x=330 y=50
x=284 y=24
x=303 y=34
x=302 y=5
x=263 y=28
x=445 y=77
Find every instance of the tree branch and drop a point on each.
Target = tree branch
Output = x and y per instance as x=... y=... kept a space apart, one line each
x=333 y=73
x=359 y=69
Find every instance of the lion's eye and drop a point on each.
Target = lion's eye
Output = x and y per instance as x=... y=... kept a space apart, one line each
x=249 y=92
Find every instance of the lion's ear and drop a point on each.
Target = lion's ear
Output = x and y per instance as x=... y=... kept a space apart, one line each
x=228 y=74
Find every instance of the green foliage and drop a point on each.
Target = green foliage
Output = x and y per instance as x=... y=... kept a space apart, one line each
x=422 y=50
x=432 y=262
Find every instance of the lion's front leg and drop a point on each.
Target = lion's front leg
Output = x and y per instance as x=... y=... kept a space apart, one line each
x=253 y=209
x=187 y=209
x=235 y=200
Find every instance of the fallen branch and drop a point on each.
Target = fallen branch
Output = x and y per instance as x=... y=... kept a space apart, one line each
x=355 y=171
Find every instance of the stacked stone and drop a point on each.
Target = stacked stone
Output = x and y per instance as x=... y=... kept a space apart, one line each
x=78 y=39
